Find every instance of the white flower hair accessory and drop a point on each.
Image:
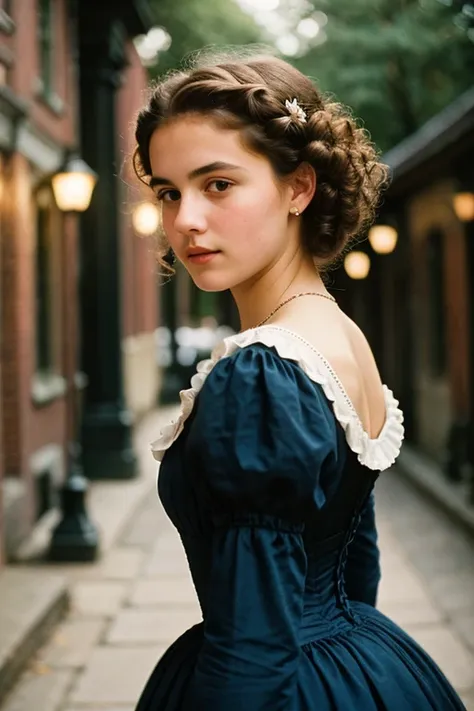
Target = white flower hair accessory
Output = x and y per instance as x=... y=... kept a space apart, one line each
x=295 y=111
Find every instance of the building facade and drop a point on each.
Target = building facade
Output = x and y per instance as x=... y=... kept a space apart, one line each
x=423 y=326
x=78 y=293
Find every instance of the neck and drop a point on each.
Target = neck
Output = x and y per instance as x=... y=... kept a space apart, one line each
x=256 y=299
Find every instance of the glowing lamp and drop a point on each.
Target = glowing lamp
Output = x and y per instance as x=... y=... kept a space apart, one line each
x=383 y=238
x=357 y=265
x=145 y=219
x=73 y=185
x=463 y=204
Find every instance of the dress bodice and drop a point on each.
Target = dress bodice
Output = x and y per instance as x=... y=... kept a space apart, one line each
x=327 y=533
x=265 y=444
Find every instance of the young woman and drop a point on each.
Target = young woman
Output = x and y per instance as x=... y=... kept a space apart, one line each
x=268 y=472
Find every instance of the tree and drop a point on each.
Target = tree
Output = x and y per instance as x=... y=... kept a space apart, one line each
x=395 y=62
x=196 y=24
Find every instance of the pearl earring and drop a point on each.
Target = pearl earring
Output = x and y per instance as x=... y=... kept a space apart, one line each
x=294 y=211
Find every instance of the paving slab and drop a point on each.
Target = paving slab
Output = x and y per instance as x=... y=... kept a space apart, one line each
x=162 y=564
x=146 y=527
x=72 y=643
x=447 y=559
x=415 y=613
x=114 y=676
x=401 y=585
x=121 y=564
x=448 y=652
x=44 y=690
x=468 y=701
x=174 y=591
x=464 y=626
x=107 y=707
x=32 y=602
x=149 y=627
x=97 y=598
x=455 y=593
x=169 y=544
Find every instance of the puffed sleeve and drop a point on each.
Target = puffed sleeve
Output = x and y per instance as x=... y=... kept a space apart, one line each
x=362 y=573
x=261 y=435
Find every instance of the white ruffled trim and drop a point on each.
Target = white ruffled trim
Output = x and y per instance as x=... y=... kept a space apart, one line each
x=378 y=454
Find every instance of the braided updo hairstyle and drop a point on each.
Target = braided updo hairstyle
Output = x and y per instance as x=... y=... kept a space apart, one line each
x=249 y=94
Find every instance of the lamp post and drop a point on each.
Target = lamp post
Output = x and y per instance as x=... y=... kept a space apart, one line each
x=75 y=538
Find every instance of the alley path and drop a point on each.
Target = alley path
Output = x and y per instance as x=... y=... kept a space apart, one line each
x=129 y=607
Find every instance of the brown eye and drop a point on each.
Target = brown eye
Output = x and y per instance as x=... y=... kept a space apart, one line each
x=220 y=185
x=169 y=195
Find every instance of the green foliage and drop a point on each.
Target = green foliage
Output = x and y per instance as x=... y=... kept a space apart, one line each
x=197 y=24
x=394 y=62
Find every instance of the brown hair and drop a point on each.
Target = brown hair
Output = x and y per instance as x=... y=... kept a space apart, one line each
x=249 y=94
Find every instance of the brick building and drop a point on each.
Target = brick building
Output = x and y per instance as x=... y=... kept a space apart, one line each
x=70 y=79
x=417 y=303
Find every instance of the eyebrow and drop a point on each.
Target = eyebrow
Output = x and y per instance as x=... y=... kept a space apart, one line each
x=196 y=173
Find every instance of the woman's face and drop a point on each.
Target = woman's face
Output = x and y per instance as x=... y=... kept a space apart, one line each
x=225 y=214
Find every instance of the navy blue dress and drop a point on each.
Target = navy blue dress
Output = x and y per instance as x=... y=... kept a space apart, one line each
x=268 y=477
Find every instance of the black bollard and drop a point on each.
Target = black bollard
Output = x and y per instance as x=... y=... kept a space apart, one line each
x=75 y=538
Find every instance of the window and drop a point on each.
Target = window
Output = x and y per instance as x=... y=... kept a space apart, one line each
x=44 y=359
x=48 y=299
x=6 y=23
x=46 y=46
x=436 y=302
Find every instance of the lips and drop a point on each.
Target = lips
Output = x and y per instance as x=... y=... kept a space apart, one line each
x=196 y=251
x=201 y=257
x=198 y=255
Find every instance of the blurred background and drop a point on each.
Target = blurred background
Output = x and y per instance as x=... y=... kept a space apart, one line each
x=95 y=344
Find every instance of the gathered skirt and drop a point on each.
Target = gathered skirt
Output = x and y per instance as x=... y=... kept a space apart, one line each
x=372 y=665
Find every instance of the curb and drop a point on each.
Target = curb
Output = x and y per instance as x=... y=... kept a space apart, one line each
x=32 y=604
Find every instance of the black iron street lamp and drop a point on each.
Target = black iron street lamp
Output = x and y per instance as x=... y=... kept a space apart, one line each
x=75 y=538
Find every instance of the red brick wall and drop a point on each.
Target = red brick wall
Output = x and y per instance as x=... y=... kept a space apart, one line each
x=26 y=70
x=61 y=125
x=27 y=428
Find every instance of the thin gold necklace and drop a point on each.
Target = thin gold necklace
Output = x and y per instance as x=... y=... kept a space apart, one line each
x=295 y=296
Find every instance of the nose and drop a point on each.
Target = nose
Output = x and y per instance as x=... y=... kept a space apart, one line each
x=190 y=217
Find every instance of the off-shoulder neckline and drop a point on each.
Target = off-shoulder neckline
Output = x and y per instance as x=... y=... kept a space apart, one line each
x=375 y=453
x=328 y=367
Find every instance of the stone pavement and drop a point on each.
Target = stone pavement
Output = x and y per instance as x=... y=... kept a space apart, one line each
x=130 y=606
x=428 y=579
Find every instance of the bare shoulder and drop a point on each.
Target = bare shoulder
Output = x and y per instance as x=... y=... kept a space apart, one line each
x=369 y=377
x=361 y=347
x=345 y=347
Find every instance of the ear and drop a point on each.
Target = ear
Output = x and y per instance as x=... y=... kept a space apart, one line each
x=303 y=184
